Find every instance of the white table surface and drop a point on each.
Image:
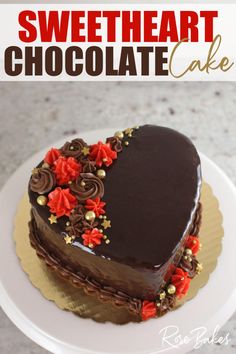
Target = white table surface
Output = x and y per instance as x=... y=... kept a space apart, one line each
x=33 y=115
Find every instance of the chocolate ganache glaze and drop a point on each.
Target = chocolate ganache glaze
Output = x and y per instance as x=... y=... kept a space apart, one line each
x=151 y=193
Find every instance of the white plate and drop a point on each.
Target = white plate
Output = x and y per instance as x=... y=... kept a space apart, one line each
x=61 y=332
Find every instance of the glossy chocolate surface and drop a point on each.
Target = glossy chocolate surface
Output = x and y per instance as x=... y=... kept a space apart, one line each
x=152 y=191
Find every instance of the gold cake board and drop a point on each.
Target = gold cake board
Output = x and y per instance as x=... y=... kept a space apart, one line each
x=67 y=297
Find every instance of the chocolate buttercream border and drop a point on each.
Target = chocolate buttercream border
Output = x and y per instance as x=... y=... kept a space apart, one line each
x=107 y=293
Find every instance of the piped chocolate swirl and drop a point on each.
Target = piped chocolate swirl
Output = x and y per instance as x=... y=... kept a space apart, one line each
x=42 y=181
x=87 y=186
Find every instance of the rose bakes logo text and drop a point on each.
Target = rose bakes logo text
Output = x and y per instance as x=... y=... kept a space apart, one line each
x=171 y=338
x=137 y=43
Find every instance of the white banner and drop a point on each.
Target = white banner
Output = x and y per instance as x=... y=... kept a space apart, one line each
x=125 y=42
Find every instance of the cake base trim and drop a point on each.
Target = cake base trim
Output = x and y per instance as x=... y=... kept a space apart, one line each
x=144 y=309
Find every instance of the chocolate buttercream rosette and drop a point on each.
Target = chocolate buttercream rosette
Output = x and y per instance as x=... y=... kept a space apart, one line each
x=72 y=298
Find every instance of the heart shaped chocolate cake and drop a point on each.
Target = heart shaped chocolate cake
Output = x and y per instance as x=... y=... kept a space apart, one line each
x=121 y=218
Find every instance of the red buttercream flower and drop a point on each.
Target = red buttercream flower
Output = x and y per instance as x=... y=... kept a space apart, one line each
x=95 y=205
x=193 y=243
x=51 y=156
x=102 y=154
x=148 y=310
x=181 y=282
x=66 y=169
x=61 y=202
x=92 y=237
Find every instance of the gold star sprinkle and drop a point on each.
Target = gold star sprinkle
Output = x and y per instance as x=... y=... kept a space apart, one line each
x=52 y=219
x=34 y=171
x=85 y=151
x=129 y=131
x=162 y=295
x=68 y=239
x=106 y=224
x=199 y=268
